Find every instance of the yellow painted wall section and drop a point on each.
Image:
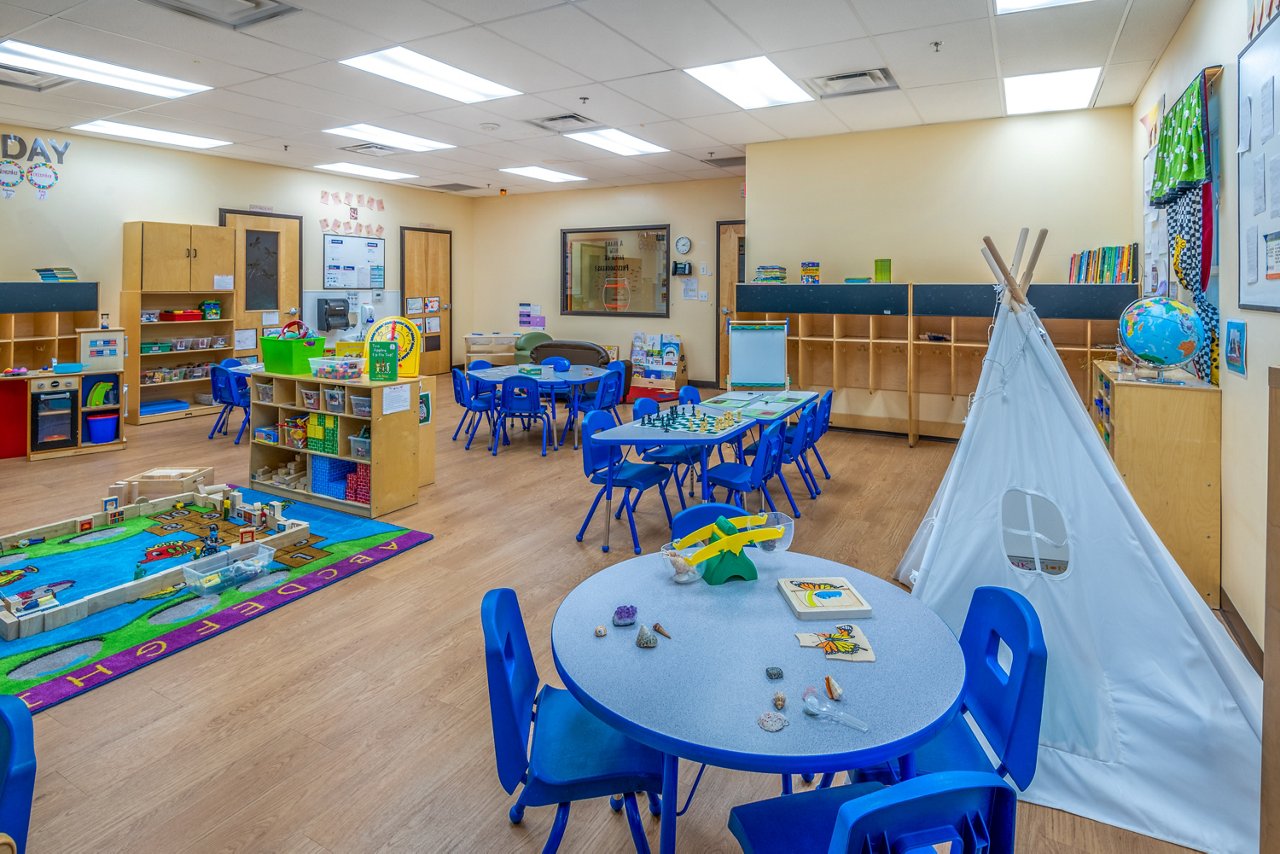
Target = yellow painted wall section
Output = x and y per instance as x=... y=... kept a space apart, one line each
x=517 y=259
x=104 y=184
x=925 y=196
x=1213 y=33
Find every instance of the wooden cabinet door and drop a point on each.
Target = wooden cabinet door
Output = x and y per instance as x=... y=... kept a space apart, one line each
x=213 y=253
x=427 y=275
x=166 y=256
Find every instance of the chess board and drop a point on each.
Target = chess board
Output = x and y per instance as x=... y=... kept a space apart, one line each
x=690 y=420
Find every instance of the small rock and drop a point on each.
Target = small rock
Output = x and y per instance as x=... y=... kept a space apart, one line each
x=645 y=638
x=772 y=721
x=773 y=672
x=601 y=631
x=624 y=615
x=834 y=691
x=779 y=700
x=657 y=627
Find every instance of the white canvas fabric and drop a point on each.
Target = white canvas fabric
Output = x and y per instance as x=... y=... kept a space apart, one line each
x=1152 y=716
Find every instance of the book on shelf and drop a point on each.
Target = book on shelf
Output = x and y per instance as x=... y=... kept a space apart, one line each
x=1106 y=265
x=56 y=274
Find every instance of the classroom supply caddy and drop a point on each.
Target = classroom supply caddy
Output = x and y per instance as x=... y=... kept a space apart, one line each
x=657 y=365
x=292 y=351
x=353 y=444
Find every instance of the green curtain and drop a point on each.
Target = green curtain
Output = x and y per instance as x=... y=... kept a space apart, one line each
x=1182 y=152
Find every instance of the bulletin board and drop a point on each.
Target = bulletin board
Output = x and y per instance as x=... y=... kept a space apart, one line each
x=354 y=262
x=757 y=355
x=1258 y=172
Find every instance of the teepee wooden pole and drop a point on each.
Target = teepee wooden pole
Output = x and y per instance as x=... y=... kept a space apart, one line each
x=1010 y=282
x=1035 y=257
x=1017 y=252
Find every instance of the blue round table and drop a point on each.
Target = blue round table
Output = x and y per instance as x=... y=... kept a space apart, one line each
x=699 y=694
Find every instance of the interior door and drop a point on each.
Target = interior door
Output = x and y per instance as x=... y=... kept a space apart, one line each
x=730 y=261
x=268 y=271
x=426 y=276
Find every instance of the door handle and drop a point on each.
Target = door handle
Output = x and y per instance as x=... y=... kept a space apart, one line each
x=445 y=307
x=724 y=310
x=293 y=311
x=188 y=251
x=195 y=253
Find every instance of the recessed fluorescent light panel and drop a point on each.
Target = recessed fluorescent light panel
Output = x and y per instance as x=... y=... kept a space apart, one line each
x=33 y=58
x=611 y=139
x=364 y=171
x=1044 y=93
x=150 y=134
x=543 y=174
x=751 y=83
x=395 y=139
x=1004 y=7
x=414 y=69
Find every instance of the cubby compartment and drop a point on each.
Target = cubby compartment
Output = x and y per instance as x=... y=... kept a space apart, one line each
x=1066 y=333
x=853 y=364
x=68 y=350
x=856 y=327
x=335 y=398
x=889 y=365
x=933 y=368
x=888 y=328
x=817 y=364
x=817 y=326
x=309 y=397
x=972 y=330
x=934 y=329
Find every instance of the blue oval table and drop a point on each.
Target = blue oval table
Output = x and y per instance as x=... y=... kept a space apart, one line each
x=698 y=695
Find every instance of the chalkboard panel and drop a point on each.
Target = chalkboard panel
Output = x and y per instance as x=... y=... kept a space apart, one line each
x=29 y=297
x=262 y=270
x=1077 y=302
x=823 y=299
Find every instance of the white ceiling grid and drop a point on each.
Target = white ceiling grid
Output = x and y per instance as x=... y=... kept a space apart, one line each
x=278 y=84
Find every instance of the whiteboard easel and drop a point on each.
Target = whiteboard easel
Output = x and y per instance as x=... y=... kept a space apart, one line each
x=758 y=355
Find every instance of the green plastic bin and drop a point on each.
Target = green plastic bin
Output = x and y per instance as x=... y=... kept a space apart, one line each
x=290 y=355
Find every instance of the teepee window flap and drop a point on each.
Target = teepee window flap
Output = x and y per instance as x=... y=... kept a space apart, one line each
x=1035 y=533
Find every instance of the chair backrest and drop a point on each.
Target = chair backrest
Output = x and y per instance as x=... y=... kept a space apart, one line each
x=520 y=394
x=222 y=386
x=768 y=454
x=460 y=393
x=804 y=430
x=595 y=456
x=17 y=769
x=608 y=391
x=689 y=394
x=513 y=682
x=974 y=811
x=230 y=363
x=824 y=412
x=478 y=365
x=556 y=363
x=644 y=406
x=1004 y=691
x=699 y=516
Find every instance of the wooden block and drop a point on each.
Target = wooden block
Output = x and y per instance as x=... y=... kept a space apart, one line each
x=32 y=624
x=8 y=625
x=64 y=614
x=84 y=523
x=111 y=502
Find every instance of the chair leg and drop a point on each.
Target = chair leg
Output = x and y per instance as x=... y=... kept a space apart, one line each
x=821 y=462
x=804 y=476
x=623 y=504
x=631 y=520
x=662 y=491
x=813 y=478
x=461 y=421
x=217 y=424
x=655 y=803
x=587 y=521
x=471 y=433
x=557 y=829
x=243 y=425
x=634 y=823
x=786 y=784
x=764 y=489
x=787 y=489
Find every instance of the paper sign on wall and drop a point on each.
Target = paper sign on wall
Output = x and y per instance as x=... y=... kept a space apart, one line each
x=395 y=398
x=413 y=305
x=270 y=318
x=224 y=283
x=246 y=339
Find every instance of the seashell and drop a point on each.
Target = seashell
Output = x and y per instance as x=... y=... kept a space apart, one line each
x=834 y=691
x=601 y=631
x=645 y=638
x=772 y=721
x=657 y=627
x=773 y=672
x=624 y=615
x=779 y=700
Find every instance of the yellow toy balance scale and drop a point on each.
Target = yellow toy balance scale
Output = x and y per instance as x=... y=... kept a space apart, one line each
x=718 y=548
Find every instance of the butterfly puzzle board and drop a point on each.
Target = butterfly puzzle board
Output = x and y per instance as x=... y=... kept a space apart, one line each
x=823 y=598
x=845 y=643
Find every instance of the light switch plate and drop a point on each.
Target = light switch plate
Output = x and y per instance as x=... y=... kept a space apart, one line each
x=704 y=269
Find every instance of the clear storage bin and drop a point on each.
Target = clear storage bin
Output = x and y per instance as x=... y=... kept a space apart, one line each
x=345 y=368
x=266 y=392
x=362 y=406
x=335 y=399
x=311 y=399
x=360 y=447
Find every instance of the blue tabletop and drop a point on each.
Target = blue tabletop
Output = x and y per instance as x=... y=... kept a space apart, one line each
x=637 y=433
x=699 y=694
x=576 y=375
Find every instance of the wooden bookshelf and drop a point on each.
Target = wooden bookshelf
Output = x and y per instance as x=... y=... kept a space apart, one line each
x=904 y=358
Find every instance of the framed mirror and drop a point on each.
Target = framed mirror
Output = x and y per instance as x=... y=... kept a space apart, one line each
x=616 y=271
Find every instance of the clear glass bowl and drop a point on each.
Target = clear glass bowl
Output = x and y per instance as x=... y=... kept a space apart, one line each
x=682 y=572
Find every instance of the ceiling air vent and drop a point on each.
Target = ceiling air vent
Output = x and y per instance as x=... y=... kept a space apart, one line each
x=726 y=162
x=852 y=83
x=567 y=123
x=31 y=81
x=453 y=188
x=236 y=14
x=373 y=149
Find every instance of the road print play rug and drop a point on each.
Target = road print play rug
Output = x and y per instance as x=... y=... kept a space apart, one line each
x=48 y=668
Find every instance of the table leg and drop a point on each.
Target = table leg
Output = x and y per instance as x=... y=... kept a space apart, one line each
x=670 y=794
x=706 y=492
x=608 y=506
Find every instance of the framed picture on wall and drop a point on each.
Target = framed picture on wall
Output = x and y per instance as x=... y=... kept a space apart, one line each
x=620 y=271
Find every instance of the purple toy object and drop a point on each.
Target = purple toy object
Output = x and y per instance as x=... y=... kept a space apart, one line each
x=624 y=615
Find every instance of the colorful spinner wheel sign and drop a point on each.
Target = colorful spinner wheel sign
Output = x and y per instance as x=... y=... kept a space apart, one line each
x=407 y=338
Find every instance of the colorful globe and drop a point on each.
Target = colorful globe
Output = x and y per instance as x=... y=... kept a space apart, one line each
x=1162 y=332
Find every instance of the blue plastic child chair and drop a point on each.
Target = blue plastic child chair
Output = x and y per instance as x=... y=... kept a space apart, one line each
x=739 y=478
x=559 y=391
x=232 y=392
x=598 y=460
x=1003 y=693
x=475 y=405
x=520 y=400
x=574 y=756
x=689 y=394
x=683 y=459
x=974 y=812
x=18 y=766
x=824 y=424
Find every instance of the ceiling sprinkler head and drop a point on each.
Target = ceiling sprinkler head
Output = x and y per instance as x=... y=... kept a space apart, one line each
x=490 y=126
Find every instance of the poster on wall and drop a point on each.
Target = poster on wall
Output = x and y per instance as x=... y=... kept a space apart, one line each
x=1236 y=349
x=1258 y=172
x=354 y=263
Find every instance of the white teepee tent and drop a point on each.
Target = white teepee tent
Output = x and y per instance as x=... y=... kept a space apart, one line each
x=1152 y=716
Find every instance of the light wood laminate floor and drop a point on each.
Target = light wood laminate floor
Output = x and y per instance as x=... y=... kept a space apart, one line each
x=357 y=720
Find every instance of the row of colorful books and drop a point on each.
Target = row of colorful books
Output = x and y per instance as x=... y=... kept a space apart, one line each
x=56 y=274
x=1106 y=265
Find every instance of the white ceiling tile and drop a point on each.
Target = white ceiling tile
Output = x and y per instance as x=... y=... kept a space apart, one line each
x=197 y=113
x=890 y=16
x=489 y=55
x=799 y=120
x=354 y=83
x=781 y=26
x=828 y=59
x=198 y=127
x=438 y=131
x=466 y=159
x=13 y=18
x=43 y=119
x=734 y=128
x=874 y=111
x=284 y=91
x=685 y=33
x=1059 y=38
x=250 y=105
x=66 y=36
x=80 y=97
x=717 y=151
x=563 y=148
x=672 y=135
x=398 y=20
x=603 y=105
x=513 y=153
x=966 y=54
x=675 y=94
x=153 y=24
x=470 y=118
x=492 y=10
x=1121 y=83
x=958 y=102
x=579 y=42
x=522 y=108
x=49 y=7
x=307 y=31
x=1148 y=29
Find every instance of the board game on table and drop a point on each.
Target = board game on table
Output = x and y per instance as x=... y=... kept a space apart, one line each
x=690 y=420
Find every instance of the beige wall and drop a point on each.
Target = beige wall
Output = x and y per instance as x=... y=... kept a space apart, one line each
x=925 y=196
x=105 y=183
x=517 y=258
x=1214 y=33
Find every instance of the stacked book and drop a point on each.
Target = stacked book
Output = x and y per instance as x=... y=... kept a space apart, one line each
x=1106 y=265
x=771 y=274
x=56 y=274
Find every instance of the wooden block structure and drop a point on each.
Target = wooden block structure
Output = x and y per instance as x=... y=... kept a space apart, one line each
x=278 y=533
x=160 y=482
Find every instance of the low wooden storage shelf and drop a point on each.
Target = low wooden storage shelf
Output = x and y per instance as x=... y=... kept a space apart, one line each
x=394 y=470
x=1166 y=440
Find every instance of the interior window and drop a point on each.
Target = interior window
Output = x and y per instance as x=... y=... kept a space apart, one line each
x=1035 y=534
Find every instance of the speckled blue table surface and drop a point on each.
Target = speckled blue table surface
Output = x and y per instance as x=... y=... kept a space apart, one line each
x=699 y=694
